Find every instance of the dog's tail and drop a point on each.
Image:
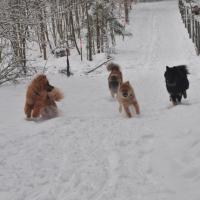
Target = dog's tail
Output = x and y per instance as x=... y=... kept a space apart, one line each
x=113 y=66
x=184 y=69
x=56 y=94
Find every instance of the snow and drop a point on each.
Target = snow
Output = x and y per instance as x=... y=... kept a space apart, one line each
x=91 y=151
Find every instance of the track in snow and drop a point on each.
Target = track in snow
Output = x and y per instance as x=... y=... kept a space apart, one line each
x=93 y=152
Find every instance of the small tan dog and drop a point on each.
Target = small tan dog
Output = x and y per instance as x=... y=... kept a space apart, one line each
x=40 y=99
x=115 y=78
x=126 y=98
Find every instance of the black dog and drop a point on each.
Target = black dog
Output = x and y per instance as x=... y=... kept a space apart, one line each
x=177 y=82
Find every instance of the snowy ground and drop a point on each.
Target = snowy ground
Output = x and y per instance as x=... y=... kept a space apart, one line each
x=92 y=151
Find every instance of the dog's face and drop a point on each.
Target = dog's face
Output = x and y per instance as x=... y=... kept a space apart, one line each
x=113 y=77
x=170 y=76
x=42 y=84
x=125 y=90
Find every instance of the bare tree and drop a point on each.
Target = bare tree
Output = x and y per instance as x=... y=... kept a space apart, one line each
x=54 y=24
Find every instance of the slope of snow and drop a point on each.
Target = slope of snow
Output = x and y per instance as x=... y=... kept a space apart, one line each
x=92 y=151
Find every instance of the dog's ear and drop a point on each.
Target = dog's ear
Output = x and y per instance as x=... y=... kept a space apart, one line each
x=127 y=82
x=167 y=67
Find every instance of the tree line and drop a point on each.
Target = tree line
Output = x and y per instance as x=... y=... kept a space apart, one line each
x=54 y=24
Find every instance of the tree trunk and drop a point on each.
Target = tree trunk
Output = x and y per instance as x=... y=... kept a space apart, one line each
x=98 y=33
x=89 y=37
x=42 y=34
x=73 y=32
x=126 y=11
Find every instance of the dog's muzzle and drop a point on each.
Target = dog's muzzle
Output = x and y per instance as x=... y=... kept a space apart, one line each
x=125 y=94
x=49 y=88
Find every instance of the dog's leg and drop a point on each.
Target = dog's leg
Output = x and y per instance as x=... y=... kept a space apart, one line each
x=120 y=107
x=185 y=94
x=173 y=99
x=128 y=113
x=112 y=94
x=137 y=108
x=179 y=97
x=36 y=111
x=27 y=109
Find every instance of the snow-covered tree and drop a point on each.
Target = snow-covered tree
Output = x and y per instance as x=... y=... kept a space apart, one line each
x=59 y=23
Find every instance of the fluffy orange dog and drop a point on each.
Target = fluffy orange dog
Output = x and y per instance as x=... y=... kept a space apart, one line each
x=40 y=99
x=115 y=78
x=126 y=98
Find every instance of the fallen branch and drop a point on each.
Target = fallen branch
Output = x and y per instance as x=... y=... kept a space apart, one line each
x=98 y=66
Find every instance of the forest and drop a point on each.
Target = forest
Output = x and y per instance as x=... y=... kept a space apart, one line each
x=54 y=26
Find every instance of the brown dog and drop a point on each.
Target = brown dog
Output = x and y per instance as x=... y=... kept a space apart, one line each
x=126 y=98
x=115 y=78
x=40 y=98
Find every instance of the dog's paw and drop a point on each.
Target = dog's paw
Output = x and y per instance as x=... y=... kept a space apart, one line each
x=36 y=119
x=28 y=119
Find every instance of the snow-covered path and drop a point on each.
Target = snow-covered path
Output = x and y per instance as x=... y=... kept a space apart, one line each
x=93 y=152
